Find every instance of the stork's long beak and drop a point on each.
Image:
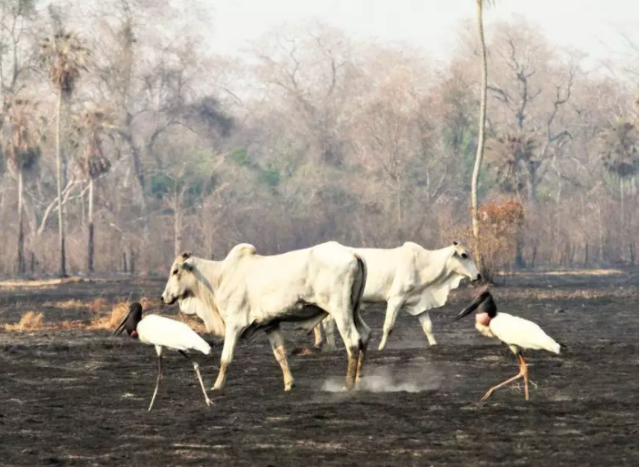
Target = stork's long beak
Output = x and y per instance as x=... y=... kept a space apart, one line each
x=120 y=327
x=471 y=308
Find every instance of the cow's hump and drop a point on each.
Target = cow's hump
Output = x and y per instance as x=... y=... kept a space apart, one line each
x=241 y=250
x=412 y=246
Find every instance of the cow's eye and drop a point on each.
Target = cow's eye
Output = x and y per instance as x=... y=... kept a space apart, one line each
x=464 y=255
x=175 y=272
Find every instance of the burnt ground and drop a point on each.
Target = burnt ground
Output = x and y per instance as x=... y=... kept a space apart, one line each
x=80 y=398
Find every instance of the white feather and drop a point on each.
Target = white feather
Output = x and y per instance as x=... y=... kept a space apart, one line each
x=165 y=332
x=522 y=333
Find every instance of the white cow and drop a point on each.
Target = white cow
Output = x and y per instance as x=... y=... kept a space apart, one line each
x=409 y=278
x=246 y=293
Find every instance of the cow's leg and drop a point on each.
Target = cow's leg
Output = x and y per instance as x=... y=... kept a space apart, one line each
x=277 y=344
x=352 y=342
x=365 y=337
x=393 y=306
x=231 y=336
x=318 y=333
x=427 y=327
x=329 y=325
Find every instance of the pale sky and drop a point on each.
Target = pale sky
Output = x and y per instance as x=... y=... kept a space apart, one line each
x=594 y=26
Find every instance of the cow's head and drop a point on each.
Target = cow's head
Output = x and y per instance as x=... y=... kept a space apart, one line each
x=181 y=281
x=462 y=264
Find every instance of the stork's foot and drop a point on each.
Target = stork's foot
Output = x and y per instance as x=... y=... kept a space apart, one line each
x=486 y=396
x=208 y=401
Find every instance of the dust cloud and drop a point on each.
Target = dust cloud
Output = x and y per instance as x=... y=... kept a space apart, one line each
x=411 y=378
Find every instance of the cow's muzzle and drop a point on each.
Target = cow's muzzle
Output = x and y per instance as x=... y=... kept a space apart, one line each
x=168 y=300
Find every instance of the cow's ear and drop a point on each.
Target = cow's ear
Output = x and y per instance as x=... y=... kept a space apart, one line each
x=186 y=255
x=456 y=243
x=187 y=265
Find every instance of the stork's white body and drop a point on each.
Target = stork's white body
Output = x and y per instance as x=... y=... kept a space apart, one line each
x=165 y=332
x=518 y=333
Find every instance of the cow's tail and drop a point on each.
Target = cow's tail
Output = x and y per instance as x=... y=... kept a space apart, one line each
x=356 y=299
x=359 y=284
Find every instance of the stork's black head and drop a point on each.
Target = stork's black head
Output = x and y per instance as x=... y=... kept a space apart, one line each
x=130 y=322
x=483 y=303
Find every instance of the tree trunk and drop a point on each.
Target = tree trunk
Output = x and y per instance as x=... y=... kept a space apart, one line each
x=586 y=255
x=399 y=207
x=481 y=126
x=63 y=265
x=132 y=262
x=532 y=186
x=21 y=262
x=520 y=262
x=621 y=202
x=90 y=242
x=533 y=257
x=177 y=228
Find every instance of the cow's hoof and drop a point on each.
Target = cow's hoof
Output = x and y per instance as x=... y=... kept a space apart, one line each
x=289 y=387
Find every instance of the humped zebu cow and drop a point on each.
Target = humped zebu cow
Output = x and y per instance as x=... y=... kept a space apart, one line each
x=408 y=278
x=246 y=293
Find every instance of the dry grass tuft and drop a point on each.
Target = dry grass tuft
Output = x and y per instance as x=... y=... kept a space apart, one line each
x=538 y=294
x=96 y=305
x=571 y=272
x=194 y=323
x=66 y=305
x=111 y=320
x=71 y=325
x=34 y=321
x=45 y=283
x=30 y=321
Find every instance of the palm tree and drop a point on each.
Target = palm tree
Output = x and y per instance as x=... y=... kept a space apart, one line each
x=90 y=126
x=65 y=57
x=23 y=153
x=481 y=125
x=618 y=148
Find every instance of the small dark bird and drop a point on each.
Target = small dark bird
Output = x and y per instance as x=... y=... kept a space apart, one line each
x=516 y=332
x=164 y=332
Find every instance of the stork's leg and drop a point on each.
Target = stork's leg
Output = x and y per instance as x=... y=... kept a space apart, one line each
x=427 y=327
x=523 y=367
x=159 y=378
x=280 y=352
x=393 y=306
x=231 y=336
x=522 y=373
x=197 y=368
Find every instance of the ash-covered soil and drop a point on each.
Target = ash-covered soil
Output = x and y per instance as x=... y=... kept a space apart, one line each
x=80 y=398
